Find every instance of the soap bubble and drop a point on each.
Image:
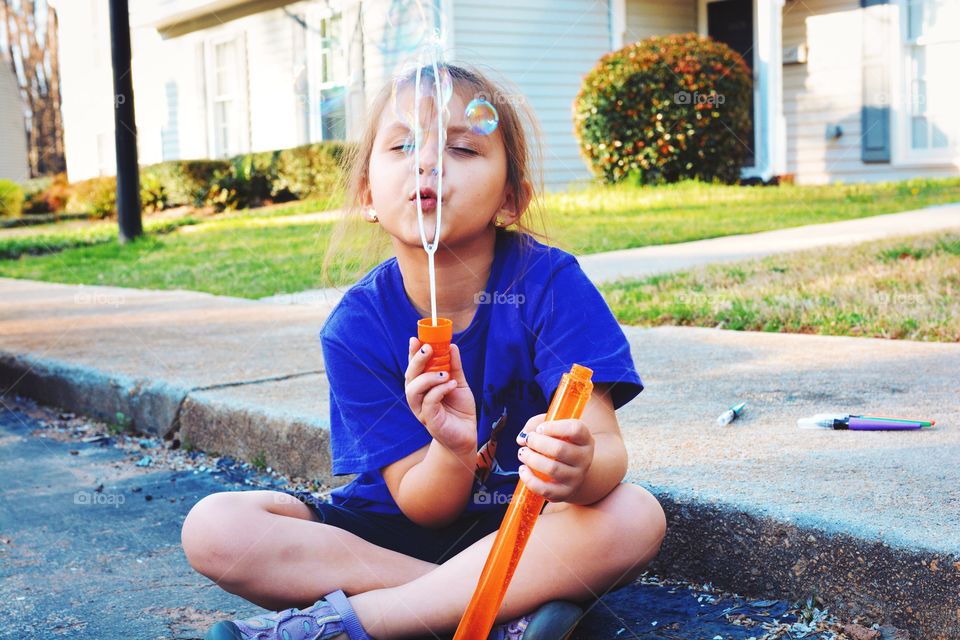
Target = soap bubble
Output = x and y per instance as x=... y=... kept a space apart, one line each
x=403 y=30
x=481 y=116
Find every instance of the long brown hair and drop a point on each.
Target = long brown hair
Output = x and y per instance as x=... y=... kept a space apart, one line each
x=521 y=139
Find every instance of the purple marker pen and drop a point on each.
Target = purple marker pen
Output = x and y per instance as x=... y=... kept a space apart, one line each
x=859 y=423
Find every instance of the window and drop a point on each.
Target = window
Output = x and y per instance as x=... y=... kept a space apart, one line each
x=225 y=98
x=327 y=61
x=931 y=47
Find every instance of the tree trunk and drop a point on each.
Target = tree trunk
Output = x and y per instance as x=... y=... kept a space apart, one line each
x=39 y=80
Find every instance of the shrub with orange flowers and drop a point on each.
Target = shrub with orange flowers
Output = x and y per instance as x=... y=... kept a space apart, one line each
x=665 y=109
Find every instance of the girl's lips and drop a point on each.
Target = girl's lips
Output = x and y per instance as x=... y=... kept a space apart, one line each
x=425 y=203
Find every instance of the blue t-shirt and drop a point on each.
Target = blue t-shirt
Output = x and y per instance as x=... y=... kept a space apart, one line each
x=538 y=315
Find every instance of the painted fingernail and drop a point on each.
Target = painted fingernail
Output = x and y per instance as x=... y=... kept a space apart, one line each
x=440 y=374
x=521 y=451
x=422 y=350
x=522 y=436
x=540 y=428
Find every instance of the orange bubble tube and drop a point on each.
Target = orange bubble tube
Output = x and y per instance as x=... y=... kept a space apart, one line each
x=571 y=397
x=438 y=336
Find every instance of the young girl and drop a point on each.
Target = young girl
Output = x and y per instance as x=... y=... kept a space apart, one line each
x=398 y=551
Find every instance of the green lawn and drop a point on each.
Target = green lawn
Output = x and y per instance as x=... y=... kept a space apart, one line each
x=606 y=218
x=53 y=237
x=905 y=288
x=242 y=254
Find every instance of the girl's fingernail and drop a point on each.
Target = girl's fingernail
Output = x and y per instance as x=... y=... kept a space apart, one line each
x=522 y=436
x=422 y=350
x=540 y=428
x=521 y=451
x=440 y=374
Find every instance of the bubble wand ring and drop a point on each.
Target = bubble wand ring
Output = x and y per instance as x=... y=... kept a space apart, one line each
x=431 y=247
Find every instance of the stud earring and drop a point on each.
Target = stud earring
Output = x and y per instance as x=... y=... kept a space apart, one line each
x=499 y=222
x=372 y=216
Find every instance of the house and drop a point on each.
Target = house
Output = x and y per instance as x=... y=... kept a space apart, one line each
x=844 y=90
x=13 y=152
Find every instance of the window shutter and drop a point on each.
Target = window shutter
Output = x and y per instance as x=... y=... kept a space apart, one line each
x=875 y=112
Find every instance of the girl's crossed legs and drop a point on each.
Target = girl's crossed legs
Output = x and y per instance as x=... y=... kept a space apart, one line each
x=268 y=548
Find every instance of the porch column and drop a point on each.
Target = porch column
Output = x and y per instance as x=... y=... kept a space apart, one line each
x=772 y=149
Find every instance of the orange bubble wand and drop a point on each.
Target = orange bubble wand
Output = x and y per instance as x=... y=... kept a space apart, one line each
x=568 y=402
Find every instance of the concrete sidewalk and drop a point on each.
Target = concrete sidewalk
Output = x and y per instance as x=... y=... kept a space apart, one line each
x=644 y=262
x=648 y=261
x=867 y=520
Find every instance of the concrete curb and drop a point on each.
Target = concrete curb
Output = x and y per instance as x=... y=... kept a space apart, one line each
x=707 y=541
x=765 y=557
x=295 y=446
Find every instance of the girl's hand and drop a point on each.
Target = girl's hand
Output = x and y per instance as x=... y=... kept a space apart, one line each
x=442 y=402
x=556 y=456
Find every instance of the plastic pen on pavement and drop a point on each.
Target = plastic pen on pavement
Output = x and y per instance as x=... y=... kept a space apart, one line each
x=861 y=423
x=731 y=414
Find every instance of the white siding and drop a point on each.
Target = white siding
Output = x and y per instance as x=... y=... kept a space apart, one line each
x=266 y=108
x=86 y=87
x=390 y=32
x=545 y=49
x=647 y=18
x=13 y=151
x=826 y=90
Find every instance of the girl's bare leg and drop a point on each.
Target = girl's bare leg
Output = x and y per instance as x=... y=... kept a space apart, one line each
x=575 y=553
x=267 y=547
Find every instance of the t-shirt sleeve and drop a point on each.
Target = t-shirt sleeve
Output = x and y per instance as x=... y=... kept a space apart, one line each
x=575 y=325
x=371 y=424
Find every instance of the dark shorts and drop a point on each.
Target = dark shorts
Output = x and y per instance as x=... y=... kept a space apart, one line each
x=399 y=533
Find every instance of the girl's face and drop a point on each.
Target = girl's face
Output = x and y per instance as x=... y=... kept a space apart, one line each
x=474 y=187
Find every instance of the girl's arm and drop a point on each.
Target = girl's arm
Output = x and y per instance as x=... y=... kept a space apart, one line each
x=432 y=485
x=585 y=458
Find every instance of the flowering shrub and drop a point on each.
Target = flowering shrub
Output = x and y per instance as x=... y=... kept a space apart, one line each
x=665 y=109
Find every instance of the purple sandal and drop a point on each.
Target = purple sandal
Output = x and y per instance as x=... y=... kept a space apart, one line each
x=329 y=617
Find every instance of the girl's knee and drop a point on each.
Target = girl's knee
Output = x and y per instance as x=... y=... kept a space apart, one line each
x=640 y=521
x=213 y=530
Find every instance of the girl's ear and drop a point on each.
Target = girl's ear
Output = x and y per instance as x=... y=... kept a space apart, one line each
x=365 y=197
x=514 y=204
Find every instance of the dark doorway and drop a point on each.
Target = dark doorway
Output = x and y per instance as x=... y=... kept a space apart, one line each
x=731 y=22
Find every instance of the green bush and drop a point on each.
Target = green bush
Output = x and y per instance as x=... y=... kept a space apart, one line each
x=312 y=170
x=11 y=199
x=665 y=109
x=48 y=194
x=247 y=182
x=96 y=197
x=186 y=181
x=153 y=192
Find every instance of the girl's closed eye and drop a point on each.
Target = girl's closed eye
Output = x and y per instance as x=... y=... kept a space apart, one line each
x=466 y=151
